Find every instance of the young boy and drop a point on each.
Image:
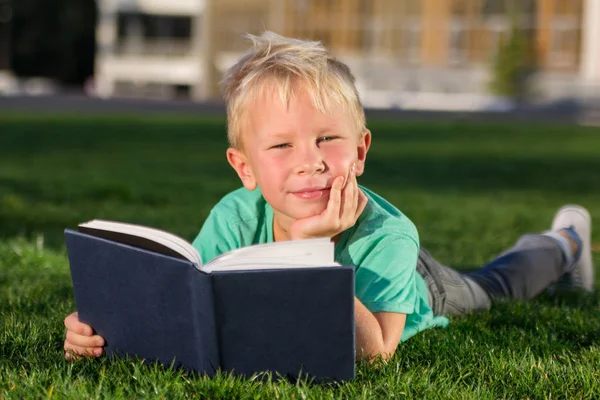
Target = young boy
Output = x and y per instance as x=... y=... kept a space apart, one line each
x=298 y=141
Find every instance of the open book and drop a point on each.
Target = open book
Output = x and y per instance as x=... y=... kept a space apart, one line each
x=258 y=308
x=295 y=253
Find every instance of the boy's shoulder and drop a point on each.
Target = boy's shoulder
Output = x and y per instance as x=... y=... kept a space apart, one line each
x=382 y=233
x=240 y=204
x=383 y=218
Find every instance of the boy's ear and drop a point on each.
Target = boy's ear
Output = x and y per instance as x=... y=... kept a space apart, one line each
x=238 y=160
x=362 y=149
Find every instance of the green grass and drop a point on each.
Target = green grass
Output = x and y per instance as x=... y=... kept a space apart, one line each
x=471 y=189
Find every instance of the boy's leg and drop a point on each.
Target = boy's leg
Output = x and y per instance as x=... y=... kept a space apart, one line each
x=531 y=266
x=524 y=271
x=450 y=292
x=538 y=261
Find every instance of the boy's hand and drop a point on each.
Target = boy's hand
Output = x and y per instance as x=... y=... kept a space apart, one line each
x=80 y=339
x=343 y=209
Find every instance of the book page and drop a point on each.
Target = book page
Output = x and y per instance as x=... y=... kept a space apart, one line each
x=298 y=253
x=258 y=263
x=143 y=237
x=290 y=254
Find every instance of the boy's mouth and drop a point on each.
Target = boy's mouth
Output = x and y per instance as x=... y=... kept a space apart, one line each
x=311 y=193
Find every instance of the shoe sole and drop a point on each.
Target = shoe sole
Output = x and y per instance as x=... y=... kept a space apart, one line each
x=582 y=274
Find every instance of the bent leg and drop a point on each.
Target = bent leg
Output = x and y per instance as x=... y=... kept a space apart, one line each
x=524 y=271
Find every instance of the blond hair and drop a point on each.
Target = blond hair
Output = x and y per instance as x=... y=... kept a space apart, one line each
x=288 y=66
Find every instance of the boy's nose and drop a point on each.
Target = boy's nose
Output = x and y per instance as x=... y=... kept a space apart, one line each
x=310 y=162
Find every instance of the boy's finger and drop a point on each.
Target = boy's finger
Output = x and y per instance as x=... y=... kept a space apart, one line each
x=346 y=211
x=335 y=198
x=350 y=199
x=72 y=323
x=84 y=341
x=72 y=352
x=79 y=351
x=357 y=193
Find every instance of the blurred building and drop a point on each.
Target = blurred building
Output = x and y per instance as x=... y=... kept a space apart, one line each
x=148 y=47
x=5 y=19
x=402 y=51
x=6 y=78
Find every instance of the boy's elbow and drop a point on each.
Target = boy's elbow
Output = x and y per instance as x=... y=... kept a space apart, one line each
x=382 y=351
x=387 y=351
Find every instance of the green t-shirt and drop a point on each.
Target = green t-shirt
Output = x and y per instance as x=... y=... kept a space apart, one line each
x=383 y=246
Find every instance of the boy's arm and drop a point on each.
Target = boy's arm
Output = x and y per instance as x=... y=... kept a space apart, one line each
x=377 y=334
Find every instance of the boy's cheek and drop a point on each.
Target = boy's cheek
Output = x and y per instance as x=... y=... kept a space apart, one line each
x=342 y=159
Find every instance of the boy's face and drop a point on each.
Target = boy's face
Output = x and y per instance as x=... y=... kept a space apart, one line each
x=294 y=154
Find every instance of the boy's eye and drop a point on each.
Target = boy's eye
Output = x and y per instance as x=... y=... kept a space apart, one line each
x=326 y=139
x=280 y=146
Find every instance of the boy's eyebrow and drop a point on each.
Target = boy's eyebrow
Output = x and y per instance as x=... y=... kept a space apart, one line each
x=328 y=129
x=332 y=128
x=282 y=134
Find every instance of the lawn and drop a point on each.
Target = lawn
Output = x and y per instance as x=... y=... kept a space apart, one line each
x=471 y=189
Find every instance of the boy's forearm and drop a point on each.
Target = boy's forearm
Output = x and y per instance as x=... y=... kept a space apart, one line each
x=371 y=339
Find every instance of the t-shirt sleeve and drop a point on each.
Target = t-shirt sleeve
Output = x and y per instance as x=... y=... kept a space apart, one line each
x=386 y=275
x=215 y=238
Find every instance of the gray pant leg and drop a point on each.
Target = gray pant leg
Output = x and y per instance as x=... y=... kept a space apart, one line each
x=450 y=292
x=522 y=272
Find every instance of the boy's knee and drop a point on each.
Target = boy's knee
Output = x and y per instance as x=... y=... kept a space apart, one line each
x=530 y=240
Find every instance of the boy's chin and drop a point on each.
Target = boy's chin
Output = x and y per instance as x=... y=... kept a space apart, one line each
x=308 y=212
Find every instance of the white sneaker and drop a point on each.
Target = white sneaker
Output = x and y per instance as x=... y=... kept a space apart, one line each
x=582 y=273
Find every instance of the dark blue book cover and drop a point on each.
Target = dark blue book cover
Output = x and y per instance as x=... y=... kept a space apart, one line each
x=143 y=303
x=288 y=321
